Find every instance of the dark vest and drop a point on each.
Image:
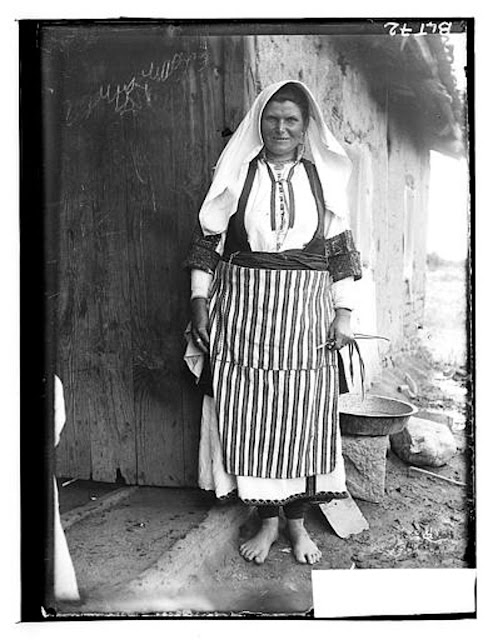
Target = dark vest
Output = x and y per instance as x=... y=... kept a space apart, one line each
x=236 y=239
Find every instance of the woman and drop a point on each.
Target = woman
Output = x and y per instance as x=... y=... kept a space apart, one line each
x=272 y=272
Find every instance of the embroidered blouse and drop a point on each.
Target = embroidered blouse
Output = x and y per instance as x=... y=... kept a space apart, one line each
x=281 y=214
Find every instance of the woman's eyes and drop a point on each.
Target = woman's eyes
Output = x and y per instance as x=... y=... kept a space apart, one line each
x=272 y=120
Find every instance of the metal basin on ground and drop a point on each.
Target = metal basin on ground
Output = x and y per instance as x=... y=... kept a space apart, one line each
x=373 y=416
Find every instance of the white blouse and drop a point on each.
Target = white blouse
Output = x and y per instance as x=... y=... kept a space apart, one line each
x=287 y=233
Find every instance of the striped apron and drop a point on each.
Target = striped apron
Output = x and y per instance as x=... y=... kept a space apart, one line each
x=275 y=385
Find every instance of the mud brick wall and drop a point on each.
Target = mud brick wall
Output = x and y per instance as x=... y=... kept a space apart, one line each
x=388 y=189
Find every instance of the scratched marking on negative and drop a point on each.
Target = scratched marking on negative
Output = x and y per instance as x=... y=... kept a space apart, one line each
x=418 y=29
x=132 y=96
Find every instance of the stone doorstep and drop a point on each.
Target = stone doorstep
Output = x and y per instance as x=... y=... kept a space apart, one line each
x=91 y=508
x=175 y=569
x=172 y=581
x=168 y=581
x=177 y=566
x=188 y=556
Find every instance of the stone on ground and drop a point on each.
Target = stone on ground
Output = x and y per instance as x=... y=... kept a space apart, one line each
x=424 y=443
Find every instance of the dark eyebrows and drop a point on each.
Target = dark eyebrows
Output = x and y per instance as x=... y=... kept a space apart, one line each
x=270 y=116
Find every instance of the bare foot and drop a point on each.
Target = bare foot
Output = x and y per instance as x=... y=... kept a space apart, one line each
x=257 y=548
x=304 y=548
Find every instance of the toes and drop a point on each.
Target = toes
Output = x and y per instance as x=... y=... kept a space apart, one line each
x=307 y=555
x=251 y=554
x=246 y=553
x=312 y=558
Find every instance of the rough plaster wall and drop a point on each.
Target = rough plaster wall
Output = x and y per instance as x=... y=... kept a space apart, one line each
x=408 y=164
x=376 y=189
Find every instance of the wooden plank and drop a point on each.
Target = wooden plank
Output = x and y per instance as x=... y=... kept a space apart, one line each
x=151 y=207
x=156 y=141
x=96 y=337
x=143 y=131
x=73 y=451
x=112 y=423
x=182 y=140
x=234 y=99
x=99 y=330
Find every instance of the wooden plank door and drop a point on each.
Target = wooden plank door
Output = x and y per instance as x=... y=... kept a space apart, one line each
x=143 y=114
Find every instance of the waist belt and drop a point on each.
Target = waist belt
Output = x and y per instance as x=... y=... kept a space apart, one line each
x=291 y=259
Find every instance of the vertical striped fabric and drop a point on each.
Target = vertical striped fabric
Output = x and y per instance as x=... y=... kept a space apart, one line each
x=276 y=391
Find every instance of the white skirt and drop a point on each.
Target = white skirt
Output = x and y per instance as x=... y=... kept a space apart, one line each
x=260 y=491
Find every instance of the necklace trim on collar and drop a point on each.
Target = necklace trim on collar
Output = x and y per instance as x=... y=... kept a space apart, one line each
x=297 y=156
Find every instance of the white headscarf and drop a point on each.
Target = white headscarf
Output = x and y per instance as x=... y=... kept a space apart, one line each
x=333 y=165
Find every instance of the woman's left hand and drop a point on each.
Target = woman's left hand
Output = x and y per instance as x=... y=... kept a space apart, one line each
x=340 y=332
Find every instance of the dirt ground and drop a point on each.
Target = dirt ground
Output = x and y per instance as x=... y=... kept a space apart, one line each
x=421 y=523
x=115 y=545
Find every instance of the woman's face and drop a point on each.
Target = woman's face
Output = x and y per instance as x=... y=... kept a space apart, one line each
x=282 y=127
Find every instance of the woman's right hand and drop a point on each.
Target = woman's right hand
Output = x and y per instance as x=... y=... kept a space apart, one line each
x=199 y=323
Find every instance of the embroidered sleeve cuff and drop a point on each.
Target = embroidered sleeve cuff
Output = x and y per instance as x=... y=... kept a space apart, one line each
x=343 y=258
x=203 y=254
